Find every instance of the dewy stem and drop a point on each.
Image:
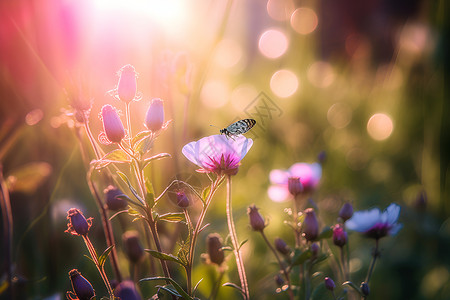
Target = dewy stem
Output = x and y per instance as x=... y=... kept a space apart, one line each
x=234 y=241
x=283 y=269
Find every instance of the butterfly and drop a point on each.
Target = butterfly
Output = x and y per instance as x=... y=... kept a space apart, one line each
x=239 y=127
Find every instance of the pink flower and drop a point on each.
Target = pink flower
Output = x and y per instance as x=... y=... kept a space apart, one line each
x=309 y=175
x=217 y=153
x=127 y=86
x=154 y=119
x=112 y=125
x=374 y=223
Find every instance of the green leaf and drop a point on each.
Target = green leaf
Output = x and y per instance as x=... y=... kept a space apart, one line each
x=90 y=259
x=115 y=156
x=150 y=193
x=196 y=286
x=179 y=289
x=140 y=136
x=102 y=258
x=205 y=194
x=128 y=199
x=321 y=293
x=321 y=258
x=233 y=285
x=242 y=243
x=155 y=157
x=300 y=257
x=29 y=177
x=326 y=233
x=144 y=145
x=354 y=286
x=170 y=289
x=164 y=256
x=173 y=217
x=132 y=189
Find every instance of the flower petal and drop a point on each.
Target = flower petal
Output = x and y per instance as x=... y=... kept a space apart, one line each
x=362 y=221
x=392 y=213
x=278 y=193
x=279 y=176
x=395 y=229
x=309 y=174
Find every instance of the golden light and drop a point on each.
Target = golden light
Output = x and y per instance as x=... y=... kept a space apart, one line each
x=273 y=43
x=321 y=74
x=304 y=20
x=228 y=53
x=242 y=96
x=380 y=126
x=280 y=10
x=339 y=115
x=284 y=83
x=215 y=93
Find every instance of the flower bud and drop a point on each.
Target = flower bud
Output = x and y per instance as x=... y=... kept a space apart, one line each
x=295 y=186
x=81 y=286
x=214 y=248
x=127 y=291
x=78 y=225
x=279 y=280
x=321 y=157
x=154 y=120
x=256 y=220
x=113 y=198
x=314 y=249
x=310 y=226
x=127 y=86
x=365 y=288
x=112 y=124
x=346 y=211
x=329 y=283
x=132 y=246
x=339 y=235
x=421 y=201
x=281 y=246
x=182 y=199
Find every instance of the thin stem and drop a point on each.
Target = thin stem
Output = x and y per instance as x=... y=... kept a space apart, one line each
x=234 y=241
x=375 y=256
x=216 y=286
x=344 y=267
x=306 y=274
x=214 y=185
x=295 y=218
x=8 y=231
x=127 y=113
x=282 y=268
x=92 y=140
x=152 y=224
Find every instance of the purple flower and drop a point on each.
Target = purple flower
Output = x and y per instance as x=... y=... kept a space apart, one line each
x=374 y=223
x=154 y=119
x=132 y=246
x=182 y=199
x=112 y=125
x=281 y=246
x=218 y=153
x=214 y=248
x=78 y=225
x=127 y=291
x=310 y=226
x=257 y=221
x=329 y=283
x=309 y=175
x=81 y=286
x=295 y=187
x=115 y=198
x=339 y=235
x=127 y=86
x=346 y=211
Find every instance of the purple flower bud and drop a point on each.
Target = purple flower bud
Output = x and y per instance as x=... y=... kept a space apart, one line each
x=182 y=199
x=154 y=120
x=329 y=283
x=421 y=201
x=78 y=225
x=256 y=220
x=346 y=211
x=339 y=235
x=295 y=186
x=112 y=124
x=214 y=248
x=365 y=288
x=322 y=156
x=127 y=291
x=314 y=249
x=310 y=226
x=113 y=198
x=81 y=286
x=132 y=246
x=281 y=246
x=279 y=280
x=127 y=86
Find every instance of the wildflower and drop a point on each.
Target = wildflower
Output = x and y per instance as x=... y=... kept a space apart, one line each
x=281 y=246
x=182 y=199
x=78 y=225
x=256 y=220
x=114 y=198
x=132 y=246
x=214 y=249
x=81 y=286
x=218 y=153
x=112 y=124
x=310 y=226
x=346 y=211
x=329 y=283
x=127 y=86
x=295 y=187
x=154 y=119
x=365 y=288
x=421 y=201
x=374 y=223
x=339 y=235
x=127 y=291
x=314 y=249
x=309 y=175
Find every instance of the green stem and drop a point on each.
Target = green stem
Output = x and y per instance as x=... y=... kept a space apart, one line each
x=234 y=241
x=216 y=286
x=127 y=113
x=372 y=265
x=344 y=267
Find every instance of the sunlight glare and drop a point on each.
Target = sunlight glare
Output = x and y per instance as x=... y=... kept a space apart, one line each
x=215 y=93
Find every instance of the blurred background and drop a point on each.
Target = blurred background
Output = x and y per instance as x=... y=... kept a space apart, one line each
x=362 y=81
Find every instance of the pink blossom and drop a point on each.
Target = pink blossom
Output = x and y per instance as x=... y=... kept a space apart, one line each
x=309 y=175
x=112 y=125
x=127 y=86
x=154 y=119
x=217 y=153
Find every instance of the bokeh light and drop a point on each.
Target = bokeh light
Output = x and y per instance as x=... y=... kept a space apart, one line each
x=304 y=20
x=339 y=115
x=215 y=93
x=228 y=53
x=284 y=83
x=273 y=43
x=321 y=74
x=280 y=10
x=380 y=126
x=242 y=96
